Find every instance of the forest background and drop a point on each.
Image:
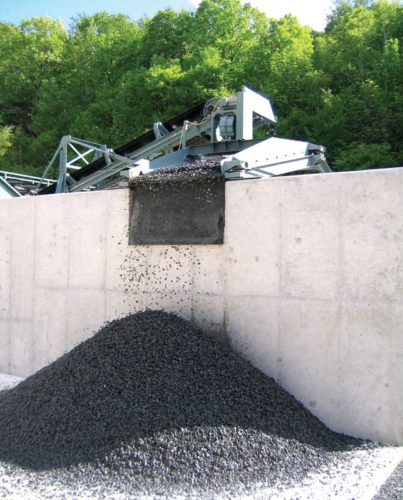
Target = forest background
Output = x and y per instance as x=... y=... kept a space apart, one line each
x=107 y=78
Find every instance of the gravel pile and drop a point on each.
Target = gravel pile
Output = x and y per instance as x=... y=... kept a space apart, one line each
x=150 y=405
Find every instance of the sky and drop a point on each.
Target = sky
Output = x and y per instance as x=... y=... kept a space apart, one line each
x=310 y=12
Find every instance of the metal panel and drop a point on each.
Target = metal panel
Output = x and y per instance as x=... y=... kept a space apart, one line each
x=275 y=156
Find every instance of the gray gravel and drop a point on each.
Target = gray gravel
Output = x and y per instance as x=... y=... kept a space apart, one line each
x=152 y=406
x=197 y=167
x=393 y=487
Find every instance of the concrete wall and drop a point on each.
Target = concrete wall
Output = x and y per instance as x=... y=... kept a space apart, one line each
x=308 y=286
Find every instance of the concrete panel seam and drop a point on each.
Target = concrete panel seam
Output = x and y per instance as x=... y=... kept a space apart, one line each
x=280 y=245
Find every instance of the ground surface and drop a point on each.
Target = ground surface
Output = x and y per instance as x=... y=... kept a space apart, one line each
x=392 y=489
x=150 y=406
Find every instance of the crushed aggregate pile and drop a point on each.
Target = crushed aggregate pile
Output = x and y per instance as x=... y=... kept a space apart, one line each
x=152 y=405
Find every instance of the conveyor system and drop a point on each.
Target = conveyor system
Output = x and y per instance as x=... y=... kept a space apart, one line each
x=178 y=169
x=221 y=127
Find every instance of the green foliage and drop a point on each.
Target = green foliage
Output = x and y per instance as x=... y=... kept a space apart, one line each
x=6 y=139
x=109 y=78
x=364 y=156
x=166 y=35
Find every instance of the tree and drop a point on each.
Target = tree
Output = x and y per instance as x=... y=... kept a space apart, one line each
x=167 y=35
x=109 y=78
x=361 y=156
x=31 y=54
x=359 y=58
x=6 y=139
x=80 y=100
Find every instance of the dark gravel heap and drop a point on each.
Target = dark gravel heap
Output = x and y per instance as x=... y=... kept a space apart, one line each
x=152 y=404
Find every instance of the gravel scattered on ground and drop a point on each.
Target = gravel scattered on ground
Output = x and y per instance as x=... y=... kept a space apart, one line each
x=152 y=406
x=393 y=487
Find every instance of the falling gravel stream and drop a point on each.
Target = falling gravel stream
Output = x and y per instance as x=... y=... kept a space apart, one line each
x=150 y=405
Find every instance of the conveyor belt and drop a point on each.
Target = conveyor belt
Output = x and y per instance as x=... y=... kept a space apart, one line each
x=191 y=114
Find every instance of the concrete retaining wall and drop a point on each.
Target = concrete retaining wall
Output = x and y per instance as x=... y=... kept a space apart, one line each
x=308 y=286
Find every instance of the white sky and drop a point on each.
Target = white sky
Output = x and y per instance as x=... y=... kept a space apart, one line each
x=310 y=12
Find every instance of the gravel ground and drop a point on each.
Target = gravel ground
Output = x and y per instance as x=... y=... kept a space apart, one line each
x=393 y=487
x=151 y=407
x=358 y=476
